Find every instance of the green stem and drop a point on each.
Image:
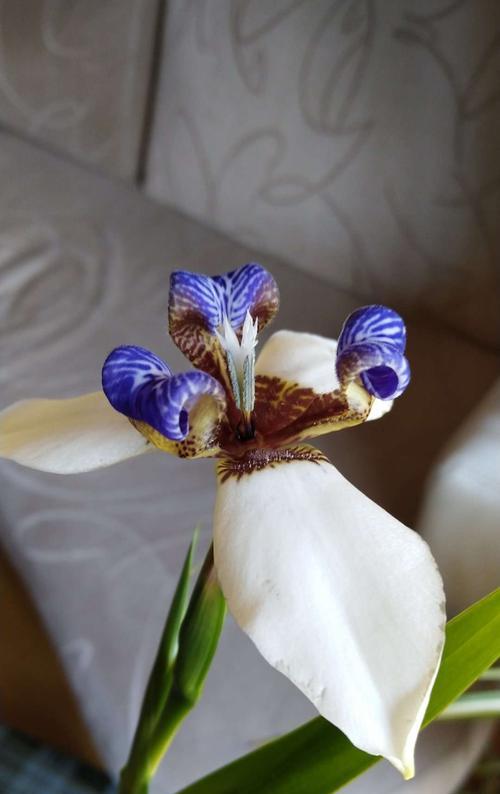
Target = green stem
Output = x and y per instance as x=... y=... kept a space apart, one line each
x=178 y=709
x=144 y=760
x=169 y=700
x=131 y=782
x=198 y=640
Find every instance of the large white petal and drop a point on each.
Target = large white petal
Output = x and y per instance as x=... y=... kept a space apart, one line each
x=461 y=510
x=337 y=594
x=309 y=361
x=68 y=436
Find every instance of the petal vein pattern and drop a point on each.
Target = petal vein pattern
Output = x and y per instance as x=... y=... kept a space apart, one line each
x=252 y=289
x=336 y=594
x=198 y=305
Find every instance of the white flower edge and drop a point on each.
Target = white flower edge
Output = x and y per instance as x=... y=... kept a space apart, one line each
x=68 y=436
x=336 y=594
x=309 y=361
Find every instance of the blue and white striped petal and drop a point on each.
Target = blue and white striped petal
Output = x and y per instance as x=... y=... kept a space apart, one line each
x=126 y=371
x=198 y=305
x=371 y=346
x=140 y=385
x=374 y=324
x=252 y=289
x=194 y=297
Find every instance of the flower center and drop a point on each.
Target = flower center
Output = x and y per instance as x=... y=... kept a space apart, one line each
x=240 y=359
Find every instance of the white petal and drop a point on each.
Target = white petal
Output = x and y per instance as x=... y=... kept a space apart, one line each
x=68 y=436
x=461 y=511
x=305 y=359
x=379 y=408
x=337 y=595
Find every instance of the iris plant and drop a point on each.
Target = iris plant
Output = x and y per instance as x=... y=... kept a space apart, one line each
x=335 y=593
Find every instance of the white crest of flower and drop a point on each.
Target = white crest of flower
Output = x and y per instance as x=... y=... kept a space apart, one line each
x=240 y=357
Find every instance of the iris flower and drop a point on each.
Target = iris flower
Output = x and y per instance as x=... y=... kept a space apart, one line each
x=335 y=593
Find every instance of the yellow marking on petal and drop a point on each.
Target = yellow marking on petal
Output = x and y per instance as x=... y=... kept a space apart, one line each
x=409 y=772
x=329 y=413
x=279 y=403
x=285 y=412
x=202 y=440
x=297 y=385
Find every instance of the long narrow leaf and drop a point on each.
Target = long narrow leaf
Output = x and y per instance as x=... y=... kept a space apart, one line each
x=161 y=674
x=198 y=639
x=160 y=680
x=199 y=634
x=318 y=759
x=473 y=705
x=472 y=645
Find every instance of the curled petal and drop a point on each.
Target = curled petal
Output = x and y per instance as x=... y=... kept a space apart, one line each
x=383 y=370
x=140 y=385
x=194 y=297
x=335 y=593
x=125 y=372
x=198 y=305
x=250 y=288
x=68 y=436
x=371 y=347
x=375 y=324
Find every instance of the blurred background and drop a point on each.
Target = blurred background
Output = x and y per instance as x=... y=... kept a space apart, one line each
x=350 y=146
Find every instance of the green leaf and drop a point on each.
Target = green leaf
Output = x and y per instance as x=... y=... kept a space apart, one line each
x=472 y=645
x=160 y=680
x=318 y=759
x=198 y=639
x=199 y=634
x=473 y=705
x=186 y=650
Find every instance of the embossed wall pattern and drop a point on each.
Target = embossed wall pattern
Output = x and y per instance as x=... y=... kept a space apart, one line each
x=75 y=74
x=357 y=139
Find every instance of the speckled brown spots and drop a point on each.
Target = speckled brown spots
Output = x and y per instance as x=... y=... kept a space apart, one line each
x=284 y=414
x=201 y=444
x=189 y=332
x=326 y=413
x=257 y=459
x=279 y=403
